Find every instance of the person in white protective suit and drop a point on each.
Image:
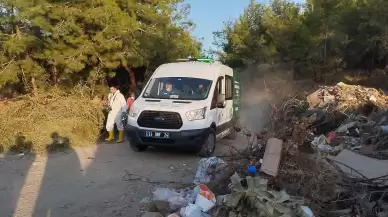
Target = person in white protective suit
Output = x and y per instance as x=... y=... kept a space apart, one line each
x=117 y=108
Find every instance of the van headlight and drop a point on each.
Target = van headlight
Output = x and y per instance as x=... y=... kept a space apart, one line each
x=133 y=112
x=197 y=114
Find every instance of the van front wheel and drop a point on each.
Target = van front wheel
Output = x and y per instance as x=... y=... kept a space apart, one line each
x=208 y=147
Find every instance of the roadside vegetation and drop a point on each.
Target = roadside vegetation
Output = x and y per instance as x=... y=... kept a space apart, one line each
x=50 y=48
x=318 y=40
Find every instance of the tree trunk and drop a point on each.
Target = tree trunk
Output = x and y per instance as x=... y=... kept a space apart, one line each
x=292 y=71
x=54 y=75
x=132 y=78
x=34 y=87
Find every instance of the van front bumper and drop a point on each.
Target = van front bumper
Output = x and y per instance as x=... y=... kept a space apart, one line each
x=185 y=138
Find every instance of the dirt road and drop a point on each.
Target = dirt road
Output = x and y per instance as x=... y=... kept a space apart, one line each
x=95 y=181
x=104 y=181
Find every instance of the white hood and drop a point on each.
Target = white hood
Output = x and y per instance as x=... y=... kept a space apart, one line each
x=168 y=104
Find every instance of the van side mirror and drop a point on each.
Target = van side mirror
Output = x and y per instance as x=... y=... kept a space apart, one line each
x=221 y=103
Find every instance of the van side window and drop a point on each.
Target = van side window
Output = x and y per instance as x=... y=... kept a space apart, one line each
x=228 y=87
x=217 y=90
x=219 y=85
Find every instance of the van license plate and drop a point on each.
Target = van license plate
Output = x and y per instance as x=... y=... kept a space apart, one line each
x=151 y=134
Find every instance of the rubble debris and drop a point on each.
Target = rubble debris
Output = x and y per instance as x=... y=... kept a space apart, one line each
x=362 y=130
x=316 y=117
x=272 y=156
x=324 y=157
x=314 y=100
x=355 y=120
x=321 y=143
x=351 y=97
x=359 y=166
x=346 y=127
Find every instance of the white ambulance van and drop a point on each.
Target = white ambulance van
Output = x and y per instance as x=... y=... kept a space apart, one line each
x=191 y=103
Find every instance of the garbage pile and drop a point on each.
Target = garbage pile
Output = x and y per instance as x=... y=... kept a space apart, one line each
x=321 y=156
x=252 y=195
x=348 y=116
x=344 y=128
x=347 y=98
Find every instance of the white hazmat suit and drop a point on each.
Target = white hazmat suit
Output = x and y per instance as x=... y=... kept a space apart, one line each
x=118 y=105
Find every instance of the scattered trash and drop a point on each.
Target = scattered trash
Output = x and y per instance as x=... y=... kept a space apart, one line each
x=305 y=211
x=191 y=210
x=318 y=116
x=209 y=169
x=174 y=199
x=272 y=156
x=359 y=166
x=252 y=170
x=205 y=198
x=332 y=149
x=313 y=99
x=345 y=127
x=185 y=203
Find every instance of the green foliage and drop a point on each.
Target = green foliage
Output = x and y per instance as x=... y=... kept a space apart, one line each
x=55 y=42
x=320 y=35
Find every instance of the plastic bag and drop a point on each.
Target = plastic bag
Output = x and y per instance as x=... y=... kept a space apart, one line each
x=208 y=170
x=163 y=194
x=175 y=200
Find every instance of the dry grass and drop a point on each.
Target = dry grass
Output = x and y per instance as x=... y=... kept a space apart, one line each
x=51 y=120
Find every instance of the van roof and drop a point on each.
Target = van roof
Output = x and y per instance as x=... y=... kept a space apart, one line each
x=189 y=69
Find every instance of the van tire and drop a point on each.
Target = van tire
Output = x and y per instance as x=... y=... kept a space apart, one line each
x=209 y=141
x=138 y=148
x=232 y=135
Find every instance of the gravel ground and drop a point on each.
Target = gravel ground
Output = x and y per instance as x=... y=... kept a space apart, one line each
x=105 y=181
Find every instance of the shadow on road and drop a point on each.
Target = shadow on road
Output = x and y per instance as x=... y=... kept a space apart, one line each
x=13 y=175
x=61 y=175
x=100 y=181
x=12 y=183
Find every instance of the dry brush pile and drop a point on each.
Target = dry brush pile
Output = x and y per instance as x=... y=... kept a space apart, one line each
x=51 y=120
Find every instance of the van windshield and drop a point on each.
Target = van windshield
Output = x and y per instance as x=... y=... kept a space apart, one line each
x=183 y=88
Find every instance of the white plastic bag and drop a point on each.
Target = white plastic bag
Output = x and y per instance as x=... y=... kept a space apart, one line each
x=192 y=210
x=163 y=194
x=209 y=169
x=175 y=200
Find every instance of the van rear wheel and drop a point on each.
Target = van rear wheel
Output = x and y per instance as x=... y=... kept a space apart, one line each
x=138 y=148
x=208 y=147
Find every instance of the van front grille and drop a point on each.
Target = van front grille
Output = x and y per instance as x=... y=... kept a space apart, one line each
x=160 y=120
